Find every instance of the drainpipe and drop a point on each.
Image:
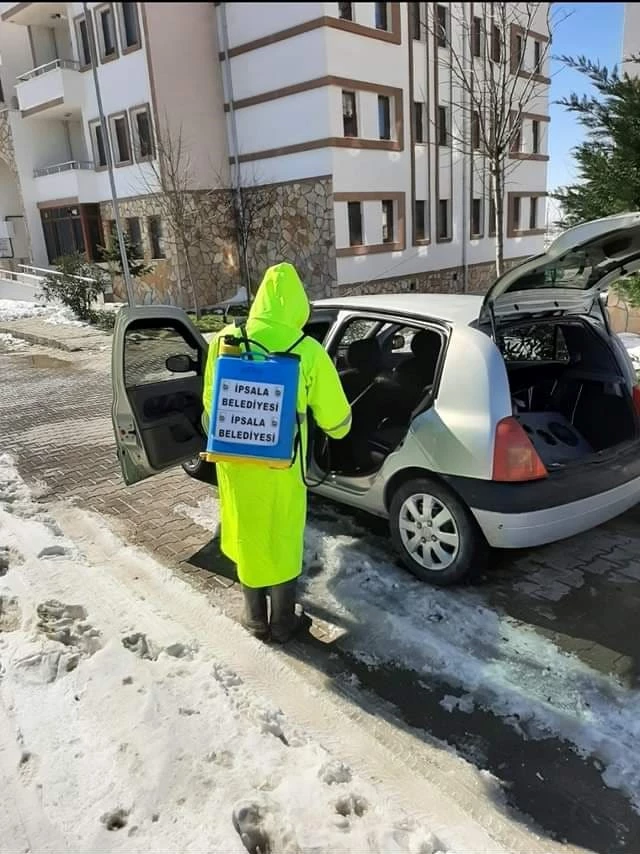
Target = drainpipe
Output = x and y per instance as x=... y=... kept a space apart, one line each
x=236 y=182
x=126 y=273
x=465 y=165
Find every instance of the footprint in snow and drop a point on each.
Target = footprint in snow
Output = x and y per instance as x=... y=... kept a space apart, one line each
x=10 y=614
x=116 y=819
x=139 y=644
x=4 y=560
x=262 y=829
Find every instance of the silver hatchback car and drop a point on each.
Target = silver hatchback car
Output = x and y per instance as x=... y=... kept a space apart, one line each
x=506 y=421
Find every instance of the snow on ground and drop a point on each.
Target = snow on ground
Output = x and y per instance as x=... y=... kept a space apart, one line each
x=8 y=342
x=631 y=342
x=51 y=313
x=493 y=662
x=122 y=729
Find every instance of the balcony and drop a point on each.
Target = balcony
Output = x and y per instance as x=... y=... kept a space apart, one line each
x=51 y=91
x=34 y=14
x=74 y=179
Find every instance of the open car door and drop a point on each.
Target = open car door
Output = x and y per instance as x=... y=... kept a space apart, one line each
x=157 y=365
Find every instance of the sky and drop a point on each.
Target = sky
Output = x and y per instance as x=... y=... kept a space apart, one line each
x=593 y=30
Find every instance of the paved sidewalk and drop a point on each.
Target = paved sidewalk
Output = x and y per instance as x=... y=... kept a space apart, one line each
x=36 y=330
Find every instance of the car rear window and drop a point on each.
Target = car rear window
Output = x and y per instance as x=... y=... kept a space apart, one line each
x=542 y=342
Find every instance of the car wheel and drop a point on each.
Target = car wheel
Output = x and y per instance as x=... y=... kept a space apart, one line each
x=201 y=470
x=435 y=534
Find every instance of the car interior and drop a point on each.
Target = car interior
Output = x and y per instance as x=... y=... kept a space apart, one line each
x=163 y=381
x=567 y=389
x=387 y=372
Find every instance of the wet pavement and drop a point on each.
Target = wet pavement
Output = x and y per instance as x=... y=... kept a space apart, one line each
x=583 y=594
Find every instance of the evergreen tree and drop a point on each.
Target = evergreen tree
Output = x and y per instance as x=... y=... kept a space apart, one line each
x=111 y=256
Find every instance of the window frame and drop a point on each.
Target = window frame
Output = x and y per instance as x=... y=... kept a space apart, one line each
x=124 y=48
x=137 y=246
x=98 y=13
x=94 y=126
x=533 y=213
x=442 y=29
x=516 y=212
x=476 y=37
x=537 y=56
x=115 y=145
x=352 y=94
x=381 y=23
x=496 y=42
x=425 y=236
x=388 y=211
x=535 y=136
x=476 y=135
x=443 y=127
x=415 y=21
x=476 y=205
x=443 y=237
x=77 y=23
x=134 y=112
x=344 y=17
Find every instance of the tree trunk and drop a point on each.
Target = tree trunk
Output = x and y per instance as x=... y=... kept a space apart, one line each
x=192 y=284
x=498 y=204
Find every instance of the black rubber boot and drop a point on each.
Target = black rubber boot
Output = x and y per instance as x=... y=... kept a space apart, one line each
x=286 y=622
x=254 y=619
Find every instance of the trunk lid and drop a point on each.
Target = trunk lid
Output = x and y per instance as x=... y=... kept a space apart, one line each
x=570 y=276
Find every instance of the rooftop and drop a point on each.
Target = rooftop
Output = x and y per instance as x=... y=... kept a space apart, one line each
x=453 y=308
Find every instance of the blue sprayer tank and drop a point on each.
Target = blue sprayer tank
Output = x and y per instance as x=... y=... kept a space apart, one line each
x=254 y=411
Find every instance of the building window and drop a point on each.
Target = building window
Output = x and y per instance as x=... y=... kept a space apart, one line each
x=120 y=136
x=475 y=130
x=518 y=52
x=443 y=126
x=63 y=234
x=492 y=215
x=516 y=135
x=349 y=114
x=416 y=20
x=98 y=145
x=388 y=235
x=156 y=238
x=129 y=26
x=537 y=56
x=476 y=37
x=106 y=33
x=496 y=43
x=533 y=213
x=382 y=20
x=142 y=133
x=135 y=236
x=418 y=121
x=1 y=93
x=354 y=215
x=476 y=217
x=443 y=219
x=442 y=29
x=515 y=212
x=82 y=39
x=420 y=220
x=345 y=11
x=384 y=117
x=535 y=132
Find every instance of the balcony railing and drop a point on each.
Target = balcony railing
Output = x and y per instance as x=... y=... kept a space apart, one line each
x=70 y=64
x=69 y=166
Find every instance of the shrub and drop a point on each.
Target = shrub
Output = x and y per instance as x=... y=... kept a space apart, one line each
x=102 y=318
x=71 y=291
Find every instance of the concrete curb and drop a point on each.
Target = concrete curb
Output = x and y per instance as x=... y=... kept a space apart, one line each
x=71 y=343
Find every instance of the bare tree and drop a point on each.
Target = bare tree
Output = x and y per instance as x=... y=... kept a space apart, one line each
x=248 y=205
x=169 y=180
x=496 y=63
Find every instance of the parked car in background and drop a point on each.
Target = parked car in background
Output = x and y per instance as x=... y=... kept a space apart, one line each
x=509 y=420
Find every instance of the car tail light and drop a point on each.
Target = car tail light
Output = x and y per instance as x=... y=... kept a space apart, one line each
x=636 y=398
x=514 y=457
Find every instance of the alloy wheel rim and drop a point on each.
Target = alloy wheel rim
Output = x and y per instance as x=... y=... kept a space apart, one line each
x=429 y=532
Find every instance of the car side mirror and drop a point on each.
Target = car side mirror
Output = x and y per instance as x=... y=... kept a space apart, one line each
x=604 y=298
x=397 y=342
x=180 y=364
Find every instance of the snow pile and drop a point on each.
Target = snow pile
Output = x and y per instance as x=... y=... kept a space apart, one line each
x=8 y=342
x=119 y=730
x=51 y=313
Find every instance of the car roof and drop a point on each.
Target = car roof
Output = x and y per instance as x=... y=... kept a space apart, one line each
x=461 y=309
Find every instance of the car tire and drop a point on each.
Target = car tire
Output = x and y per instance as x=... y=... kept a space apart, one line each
x=201 y=470
x=434 y=533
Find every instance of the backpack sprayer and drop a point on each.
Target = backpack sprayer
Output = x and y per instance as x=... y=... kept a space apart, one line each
x=254 y=416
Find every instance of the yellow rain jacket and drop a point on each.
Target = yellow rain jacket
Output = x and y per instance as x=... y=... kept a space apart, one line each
x=263 y=510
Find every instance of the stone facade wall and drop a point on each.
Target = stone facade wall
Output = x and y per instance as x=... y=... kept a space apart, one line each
x=292 y=222
x=445 y=281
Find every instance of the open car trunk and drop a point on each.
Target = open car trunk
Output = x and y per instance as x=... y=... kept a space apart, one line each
x=567 y=389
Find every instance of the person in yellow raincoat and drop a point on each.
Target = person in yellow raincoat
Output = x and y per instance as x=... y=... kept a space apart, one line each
x=263 y=510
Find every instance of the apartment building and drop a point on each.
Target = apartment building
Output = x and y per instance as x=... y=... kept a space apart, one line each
x=340 y=124
x=631 y=37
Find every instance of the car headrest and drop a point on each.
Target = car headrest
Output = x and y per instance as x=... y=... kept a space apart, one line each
x=425 y=345
x=365 y=355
